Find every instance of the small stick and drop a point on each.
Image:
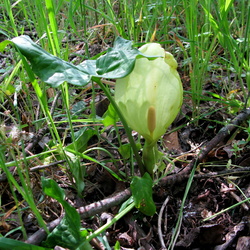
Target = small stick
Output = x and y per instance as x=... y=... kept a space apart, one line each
x=159 y=223
x=224 y=132
x=3 y=176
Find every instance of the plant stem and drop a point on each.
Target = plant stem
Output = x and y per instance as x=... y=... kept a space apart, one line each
x=123 y=120
x=150 y=156
x=107 y=225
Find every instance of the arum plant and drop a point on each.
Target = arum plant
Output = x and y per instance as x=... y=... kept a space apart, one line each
x=150 y=97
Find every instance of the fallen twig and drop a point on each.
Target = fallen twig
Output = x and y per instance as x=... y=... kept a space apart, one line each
x=221 y=136
x=233 y=171
x=3 y=176
x=138 y=234
x=163 y=246
x=232 y=235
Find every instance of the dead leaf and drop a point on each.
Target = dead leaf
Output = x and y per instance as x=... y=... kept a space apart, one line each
x=171 y=142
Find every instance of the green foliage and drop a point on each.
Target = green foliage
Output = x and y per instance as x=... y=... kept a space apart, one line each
x=125 y=150
x=23 y=186
x=141 y=188
x=118 y=62
x=67 y=233
x=110 y=116
x=10 y=244
x=237 y=49
x=82 y=136
x=49 y=68
x=60 y=71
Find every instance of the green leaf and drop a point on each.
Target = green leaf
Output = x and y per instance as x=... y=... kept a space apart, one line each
x=49 y=68
x=89 y=67
x=116 y=63
x=51 y=189
x=78 y=108
x=67 y=233
x=110 y=116
x=82 y=138
x=10 y=244
x=141 y=188
x=126 y=149
x=119 y=60
x=117 y=246
x=77 y=170
x=4 y=44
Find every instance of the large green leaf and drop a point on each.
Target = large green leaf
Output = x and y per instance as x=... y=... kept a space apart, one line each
x=116 y=63
x=141 y=188
x=49 y=68
x=67 y=233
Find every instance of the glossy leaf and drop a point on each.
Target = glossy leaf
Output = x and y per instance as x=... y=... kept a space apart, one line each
x=116 y=63
x=49 y=68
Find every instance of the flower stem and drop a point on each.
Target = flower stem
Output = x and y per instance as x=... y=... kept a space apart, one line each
x=126 y=127
x=150 y=156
